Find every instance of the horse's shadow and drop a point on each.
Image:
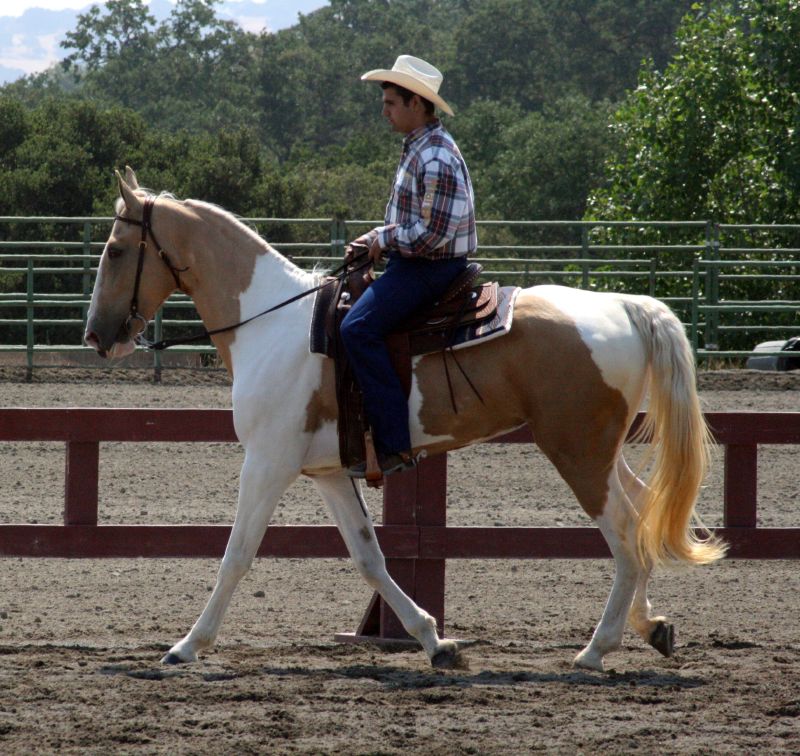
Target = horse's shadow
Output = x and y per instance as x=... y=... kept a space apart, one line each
x=403 y=678
x=396 y=678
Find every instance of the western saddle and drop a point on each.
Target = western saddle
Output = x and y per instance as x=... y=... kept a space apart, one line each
x=464 y=304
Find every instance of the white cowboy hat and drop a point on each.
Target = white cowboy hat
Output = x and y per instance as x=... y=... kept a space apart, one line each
x=415 y=75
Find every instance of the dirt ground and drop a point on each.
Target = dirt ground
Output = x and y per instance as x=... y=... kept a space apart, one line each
x=80 y=640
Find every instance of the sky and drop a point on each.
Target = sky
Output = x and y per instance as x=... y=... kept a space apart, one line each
x=18 y=7
x=29 y=41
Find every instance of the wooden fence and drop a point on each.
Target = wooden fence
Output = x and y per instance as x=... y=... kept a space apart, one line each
x=414 y=535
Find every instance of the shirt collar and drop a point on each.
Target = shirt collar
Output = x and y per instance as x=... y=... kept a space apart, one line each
x=419 y=132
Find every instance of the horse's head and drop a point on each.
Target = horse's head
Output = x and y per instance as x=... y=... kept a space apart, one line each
x=135 y=276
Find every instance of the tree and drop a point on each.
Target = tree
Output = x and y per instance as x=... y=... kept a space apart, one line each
x=535 y=51
x=536 y=166
x=192 y=71
x=62 y=163
x=124 y=32
x=717 y=134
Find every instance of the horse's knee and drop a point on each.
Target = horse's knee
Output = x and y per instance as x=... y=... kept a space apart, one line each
x=234 y=566
x=372 y=568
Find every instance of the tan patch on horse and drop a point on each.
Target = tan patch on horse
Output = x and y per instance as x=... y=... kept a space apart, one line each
x=321 y=407
x=230 y=273
x=542 y=374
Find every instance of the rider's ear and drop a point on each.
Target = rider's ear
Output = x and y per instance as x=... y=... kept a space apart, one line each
x=130 y=178
x=132 y=202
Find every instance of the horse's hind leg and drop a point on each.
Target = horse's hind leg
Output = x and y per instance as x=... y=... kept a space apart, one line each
x=617 y=524
x=260 y=487
x=343 y=497
x=654 y=630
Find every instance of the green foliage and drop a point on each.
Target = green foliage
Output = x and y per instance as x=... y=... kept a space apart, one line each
x=715 y=135
x=280 y=123
x=547 y=162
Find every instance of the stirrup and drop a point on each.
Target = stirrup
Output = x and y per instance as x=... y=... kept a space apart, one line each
x=387 y=465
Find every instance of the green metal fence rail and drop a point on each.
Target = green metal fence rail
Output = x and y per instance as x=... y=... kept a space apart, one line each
x=732 y=285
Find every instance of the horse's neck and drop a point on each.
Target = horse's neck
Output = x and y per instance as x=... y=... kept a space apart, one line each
x=237 y=275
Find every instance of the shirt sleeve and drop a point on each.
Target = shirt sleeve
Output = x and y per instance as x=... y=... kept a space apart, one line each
x=440 y=208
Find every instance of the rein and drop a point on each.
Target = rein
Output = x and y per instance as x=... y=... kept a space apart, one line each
x=146 y=226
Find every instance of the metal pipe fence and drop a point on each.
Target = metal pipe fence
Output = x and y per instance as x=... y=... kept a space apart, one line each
x=732 y=285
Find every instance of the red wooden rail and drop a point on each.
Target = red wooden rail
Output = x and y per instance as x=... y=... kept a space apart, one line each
x=414 y=535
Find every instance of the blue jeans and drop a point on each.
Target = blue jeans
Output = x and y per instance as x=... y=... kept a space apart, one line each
x=407 y=286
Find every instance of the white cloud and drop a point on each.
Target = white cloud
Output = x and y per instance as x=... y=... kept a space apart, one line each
x=18 y=7
x=29 y=42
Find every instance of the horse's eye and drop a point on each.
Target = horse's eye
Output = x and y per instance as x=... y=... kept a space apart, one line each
x=114 y=252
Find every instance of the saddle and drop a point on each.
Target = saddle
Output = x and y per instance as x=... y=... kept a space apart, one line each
x=463 y=305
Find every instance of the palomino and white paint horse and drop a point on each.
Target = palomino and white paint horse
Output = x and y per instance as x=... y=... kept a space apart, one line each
x=575 y=367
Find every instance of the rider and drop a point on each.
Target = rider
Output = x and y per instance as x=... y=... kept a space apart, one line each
x=429 y=231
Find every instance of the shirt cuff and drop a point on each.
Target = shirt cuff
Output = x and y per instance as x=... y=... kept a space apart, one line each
x=386 y=235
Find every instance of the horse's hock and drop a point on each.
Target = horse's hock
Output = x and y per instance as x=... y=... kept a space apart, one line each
x=414 y=537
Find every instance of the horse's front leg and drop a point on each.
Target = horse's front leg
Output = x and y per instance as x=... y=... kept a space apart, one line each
x=260 y=487
x=343 y=497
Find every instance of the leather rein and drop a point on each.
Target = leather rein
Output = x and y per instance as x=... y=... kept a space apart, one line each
x=147 y=229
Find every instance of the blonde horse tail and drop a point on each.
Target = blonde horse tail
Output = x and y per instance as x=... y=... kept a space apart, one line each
x=680 y=443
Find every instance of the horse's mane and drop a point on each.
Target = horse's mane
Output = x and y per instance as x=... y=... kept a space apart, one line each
x=227 y=216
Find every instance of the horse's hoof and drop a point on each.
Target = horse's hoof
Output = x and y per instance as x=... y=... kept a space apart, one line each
x=172 y=659
x=662 y=639
x=449 y=657
x=585 y=660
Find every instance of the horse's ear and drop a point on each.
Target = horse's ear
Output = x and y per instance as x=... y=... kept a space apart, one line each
x=132 y=202
x=130 y=178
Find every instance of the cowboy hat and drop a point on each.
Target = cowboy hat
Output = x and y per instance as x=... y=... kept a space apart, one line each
x=415 y=75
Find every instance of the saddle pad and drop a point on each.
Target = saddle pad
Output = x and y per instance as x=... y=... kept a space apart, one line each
x=499 y=325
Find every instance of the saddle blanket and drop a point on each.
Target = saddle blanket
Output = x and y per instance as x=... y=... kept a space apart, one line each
x=499 y=325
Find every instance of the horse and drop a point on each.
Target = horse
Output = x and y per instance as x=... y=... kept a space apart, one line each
x=575 y=367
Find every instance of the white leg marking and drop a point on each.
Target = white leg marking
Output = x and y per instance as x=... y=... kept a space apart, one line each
x=617 y=525
x=355 y=525
x=260 y=488
x=641 y=618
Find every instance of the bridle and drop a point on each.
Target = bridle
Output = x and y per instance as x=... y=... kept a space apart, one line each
x=147 y=228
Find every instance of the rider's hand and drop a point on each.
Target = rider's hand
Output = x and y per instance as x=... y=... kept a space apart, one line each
x=375 y=251
x=356 y=247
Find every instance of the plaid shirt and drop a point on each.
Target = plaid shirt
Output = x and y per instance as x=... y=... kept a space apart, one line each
x=431 y=211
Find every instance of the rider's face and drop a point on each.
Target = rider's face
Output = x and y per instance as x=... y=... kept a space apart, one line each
x=403 y=118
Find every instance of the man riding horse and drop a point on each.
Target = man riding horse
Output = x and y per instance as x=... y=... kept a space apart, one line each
x=428 y=234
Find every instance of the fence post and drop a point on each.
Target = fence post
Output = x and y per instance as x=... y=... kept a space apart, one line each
x=712 y=285
x=158 y=331
x=338 y=237
x=695 y=309
x=81 y=482
x=740 y=493
x=585 y=257
x=29 y=322
x=87 y=269
x=652 y=277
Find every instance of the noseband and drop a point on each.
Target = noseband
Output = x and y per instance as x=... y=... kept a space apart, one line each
x=147 y=228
